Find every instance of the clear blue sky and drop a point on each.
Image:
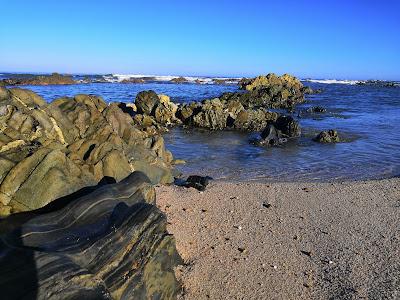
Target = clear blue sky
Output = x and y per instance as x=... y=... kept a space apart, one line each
x=321 y=39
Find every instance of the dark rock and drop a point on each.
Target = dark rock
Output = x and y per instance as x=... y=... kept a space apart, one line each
x=329 y=136
x=109 y=243
x=271 y=137
x=179 y=80
x=288 y=126
x=54 y=78
x=316 y=109
x=198 y=182
x=146 y=102
x=134 y=80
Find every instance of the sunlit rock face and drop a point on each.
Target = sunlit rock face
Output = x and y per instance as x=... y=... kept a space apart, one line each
x=51 y=150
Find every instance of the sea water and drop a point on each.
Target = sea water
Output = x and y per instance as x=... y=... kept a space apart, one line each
x=366 y=117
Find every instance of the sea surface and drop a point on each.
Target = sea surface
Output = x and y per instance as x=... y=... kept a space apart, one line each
x=366 y=117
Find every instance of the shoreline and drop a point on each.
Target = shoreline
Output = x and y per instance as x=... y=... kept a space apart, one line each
x=251 y=240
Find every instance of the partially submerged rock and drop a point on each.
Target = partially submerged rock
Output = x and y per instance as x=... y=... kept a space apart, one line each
x=179 y=80
x=316 y=109
x=329 y=136
x=107 y=242
x=278 y=132
x=54 y=78
x=51 y=150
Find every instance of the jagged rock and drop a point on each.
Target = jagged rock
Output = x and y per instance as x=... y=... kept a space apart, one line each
x=105 y=242
x=269 y=91
x=51 y=150
x=146 y=102
x=288 y=126
x=211 y=115
x=54 y=78
x=165 y=111
x=329 y=136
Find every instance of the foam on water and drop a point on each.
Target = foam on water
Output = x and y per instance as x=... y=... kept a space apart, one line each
x=333 y=81
x=168 y=78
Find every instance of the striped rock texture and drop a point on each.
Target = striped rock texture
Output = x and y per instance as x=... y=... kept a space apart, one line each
x=102 y=242
x=49 y=150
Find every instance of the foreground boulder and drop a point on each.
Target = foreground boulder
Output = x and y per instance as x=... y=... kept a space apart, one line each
x=51 y=150
x=54 y=78
x=329 y=136
x=107 y=242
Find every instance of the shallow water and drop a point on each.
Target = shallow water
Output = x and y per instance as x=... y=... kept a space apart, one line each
x=366 y=117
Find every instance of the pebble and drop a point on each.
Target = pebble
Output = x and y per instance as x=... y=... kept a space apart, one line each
x=266 y=205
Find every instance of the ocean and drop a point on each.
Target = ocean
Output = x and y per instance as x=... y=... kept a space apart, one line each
x=366 y=117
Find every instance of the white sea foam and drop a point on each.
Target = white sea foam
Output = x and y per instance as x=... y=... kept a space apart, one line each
x=333 y=81
x=166 y=78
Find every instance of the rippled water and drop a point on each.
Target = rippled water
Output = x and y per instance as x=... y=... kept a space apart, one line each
x=366 y=117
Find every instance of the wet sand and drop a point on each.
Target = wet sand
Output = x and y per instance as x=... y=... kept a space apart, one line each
x=287 y=240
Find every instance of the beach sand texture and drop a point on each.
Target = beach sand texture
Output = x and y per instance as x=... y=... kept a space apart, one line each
x=252 y=240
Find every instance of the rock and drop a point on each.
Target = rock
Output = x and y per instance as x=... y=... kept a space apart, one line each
x=54 y=78
x=146 y=102
x=133 y=80
x=198 y=182
x=4 y=93
x=329 y=136
x=211 y=115
x=104 y=242
x=271 y=137
x=51 y=150
x=316 y=109
x=288 y=126
x=270 y=91
x=179 y=80
x=166 y=111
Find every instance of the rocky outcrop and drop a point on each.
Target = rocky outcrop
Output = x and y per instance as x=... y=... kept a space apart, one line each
x=329 y=136
x=179 y=80
x=51 y=150
x=54 y=78
x=105 y=242
x=134 y=80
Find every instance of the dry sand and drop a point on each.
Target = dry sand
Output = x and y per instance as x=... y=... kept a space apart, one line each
x=287 y=240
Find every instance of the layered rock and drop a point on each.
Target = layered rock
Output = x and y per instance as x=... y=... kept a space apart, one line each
x=51 y=150
x=105 y=242
x=54 y=78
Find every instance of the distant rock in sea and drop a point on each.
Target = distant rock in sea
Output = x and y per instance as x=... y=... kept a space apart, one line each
x=54 y=78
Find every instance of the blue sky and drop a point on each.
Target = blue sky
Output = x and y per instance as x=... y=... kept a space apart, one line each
x=319 y=39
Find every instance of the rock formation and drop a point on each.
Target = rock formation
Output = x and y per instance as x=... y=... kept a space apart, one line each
x=105 y=242
x=329 y=136
x=54 y=78
x=51 y=150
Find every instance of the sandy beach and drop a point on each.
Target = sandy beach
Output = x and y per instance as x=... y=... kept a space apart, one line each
x=252 y=240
